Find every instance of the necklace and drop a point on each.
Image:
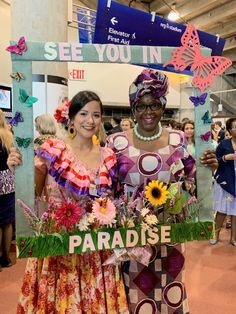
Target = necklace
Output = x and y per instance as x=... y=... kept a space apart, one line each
x=148 y=138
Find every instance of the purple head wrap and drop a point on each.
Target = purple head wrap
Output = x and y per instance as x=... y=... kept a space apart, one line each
x=149 y=82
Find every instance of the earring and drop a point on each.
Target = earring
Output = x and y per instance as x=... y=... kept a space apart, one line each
x=71 y=132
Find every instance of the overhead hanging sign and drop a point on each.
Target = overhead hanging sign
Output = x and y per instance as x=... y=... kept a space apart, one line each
x=123 y=25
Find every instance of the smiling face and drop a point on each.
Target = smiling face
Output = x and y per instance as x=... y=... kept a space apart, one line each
x=148 y=112
x=87 y=121
x=189 y=130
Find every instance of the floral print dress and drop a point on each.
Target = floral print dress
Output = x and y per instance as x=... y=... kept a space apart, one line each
x=72 y=283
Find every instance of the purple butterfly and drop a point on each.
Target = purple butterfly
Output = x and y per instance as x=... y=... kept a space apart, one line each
x=205 y=137
x=199 y=100
x=19 y=48
x=15 y=120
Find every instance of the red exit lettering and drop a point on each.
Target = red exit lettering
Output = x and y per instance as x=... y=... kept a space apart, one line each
x=76 y=74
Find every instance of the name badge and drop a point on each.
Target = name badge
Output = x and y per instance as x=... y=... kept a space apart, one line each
x=93 y=190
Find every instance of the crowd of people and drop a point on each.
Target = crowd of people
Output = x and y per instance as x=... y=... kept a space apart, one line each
x=103 y=153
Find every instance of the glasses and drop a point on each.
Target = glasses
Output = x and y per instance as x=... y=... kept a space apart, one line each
x=153 y=107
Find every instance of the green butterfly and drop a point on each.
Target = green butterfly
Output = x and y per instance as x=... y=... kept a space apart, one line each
x=23 y=142
x=24 y=98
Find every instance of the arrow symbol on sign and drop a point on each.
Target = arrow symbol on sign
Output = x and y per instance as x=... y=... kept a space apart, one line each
x=114 y=20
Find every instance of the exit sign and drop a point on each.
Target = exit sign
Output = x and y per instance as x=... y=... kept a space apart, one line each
x=77 y=74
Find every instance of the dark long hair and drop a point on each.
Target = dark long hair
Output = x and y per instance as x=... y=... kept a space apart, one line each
x=80 y=100
x=229 y=123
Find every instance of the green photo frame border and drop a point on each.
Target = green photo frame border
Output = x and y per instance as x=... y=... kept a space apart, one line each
x=30 y=245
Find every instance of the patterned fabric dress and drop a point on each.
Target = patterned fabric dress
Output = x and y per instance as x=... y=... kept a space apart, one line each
x=73 y=283
x=158 y=288
x=7 y=190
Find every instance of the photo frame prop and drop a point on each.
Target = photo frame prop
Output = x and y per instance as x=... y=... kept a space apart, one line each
x=31 y=244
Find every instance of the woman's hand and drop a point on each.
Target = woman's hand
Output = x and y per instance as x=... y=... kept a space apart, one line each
x=14 y=159
x=209 y=159
x=230 y=157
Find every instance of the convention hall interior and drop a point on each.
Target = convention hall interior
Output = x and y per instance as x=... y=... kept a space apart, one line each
x=210 y=270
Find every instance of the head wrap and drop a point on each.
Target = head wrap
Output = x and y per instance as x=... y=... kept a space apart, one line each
x=149 y=82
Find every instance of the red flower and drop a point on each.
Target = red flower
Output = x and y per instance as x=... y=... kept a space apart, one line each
x=68 y=213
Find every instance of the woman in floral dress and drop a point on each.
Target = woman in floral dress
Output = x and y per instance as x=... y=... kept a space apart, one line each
x=70 y=174
x=149 y=152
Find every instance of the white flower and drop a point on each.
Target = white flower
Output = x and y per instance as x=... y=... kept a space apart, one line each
x=144 y=211
x=83 y=224
x=145 y=226
x=151 y=219
x=91 y=218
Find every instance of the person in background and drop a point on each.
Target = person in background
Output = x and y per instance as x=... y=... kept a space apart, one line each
x=227 y=134
x=126 y=124
x=115 y=122
x=46 y=127
x=220 y=131
x=214 y=135
x=7 y=193
x=144 y=154
x=225 y=184
x=178 y=126
x=171 y=124
x=108 y=127
x=76 y=172
x=188 y=129
x=184 y=120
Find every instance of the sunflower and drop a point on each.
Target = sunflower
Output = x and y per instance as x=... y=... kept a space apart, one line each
x=156 y=193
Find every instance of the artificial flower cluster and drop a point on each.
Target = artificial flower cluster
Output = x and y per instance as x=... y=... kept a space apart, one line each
x=158 y=203
x=62 y=113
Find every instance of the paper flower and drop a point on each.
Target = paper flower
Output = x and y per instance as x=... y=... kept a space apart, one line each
x=104 y=211
x=144 y=211
x=156 y=193
x=83 y=224
x=68 y=213
x=151 y=220
x=62 y=113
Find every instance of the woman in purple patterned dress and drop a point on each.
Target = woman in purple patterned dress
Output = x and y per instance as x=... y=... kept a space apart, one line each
x=149 y=152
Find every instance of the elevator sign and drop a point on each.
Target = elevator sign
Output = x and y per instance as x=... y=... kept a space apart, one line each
x=77 y=75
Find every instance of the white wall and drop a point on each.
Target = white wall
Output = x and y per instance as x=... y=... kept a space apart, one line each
x=5 y=58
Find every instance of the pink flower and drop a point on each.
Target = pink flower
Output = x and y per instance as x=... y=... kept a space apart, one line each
x=104 y=211
x=69 y=213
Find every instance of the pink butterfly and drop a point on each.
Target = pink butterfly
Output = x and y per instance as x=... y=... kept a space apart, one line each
x=19 y=48
x=189 y=54
x=205 y=137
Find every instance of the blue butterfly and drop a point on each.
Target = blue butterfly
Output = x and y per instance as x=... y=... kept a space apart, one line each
x=206 y=118
x=28 y=100
x=16 y=119
x=23 y=142
x=199 y=100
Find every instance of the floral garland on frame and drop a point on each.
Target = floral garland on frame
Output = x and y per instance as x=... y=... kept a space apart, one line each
x=144 y=214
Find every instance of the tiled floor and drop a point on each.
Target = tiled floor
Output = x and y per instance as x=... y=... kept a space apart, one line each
x=210 y=279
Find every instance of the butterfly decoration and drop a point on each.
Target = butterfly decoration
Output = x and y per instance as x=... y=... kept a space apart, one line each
x=19 y=48
x=199 y=100
x=189 y=55
x=16 y=119
x=24 y=98
x=206 y=118
x=206 y=136
x=17 y=76
x=23 y=142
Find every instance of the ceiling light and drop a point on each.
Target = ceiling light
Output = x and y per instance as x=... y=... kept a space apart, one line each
x=173 y=16
x=220 y=107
